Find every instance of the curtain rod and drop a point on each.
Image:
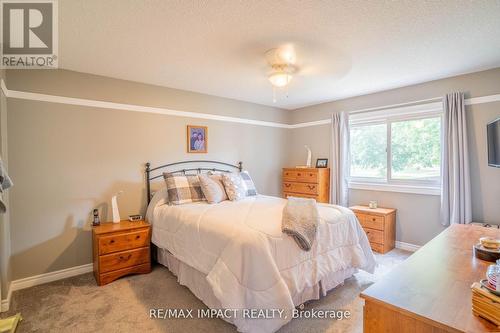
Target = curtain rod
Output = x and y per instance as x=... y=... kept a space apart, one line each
x=434 y=99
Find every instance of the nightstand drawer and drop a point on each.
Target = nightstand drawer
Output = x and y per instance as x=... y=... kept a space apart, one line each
x=377 y=247
x=300 y=188
x=123 y=241
x=375 y=236
x=114 y=261
x=111 y=276
x=371 y=221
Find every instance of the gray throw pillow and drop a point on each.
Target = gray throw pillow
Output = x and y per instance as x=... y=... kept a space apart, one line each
x=183 y=189
x=212 y=188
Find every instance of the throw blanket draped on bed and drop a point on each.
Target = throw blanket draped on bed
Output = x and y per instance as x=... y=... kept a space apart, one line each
x=249 y=262
x=300 y=221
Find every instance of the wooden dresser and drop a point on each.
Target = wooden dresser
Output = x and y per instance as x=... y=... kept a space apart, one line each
x=120 y=249
x=379 y=225
x=431 y=290
x=307 y=183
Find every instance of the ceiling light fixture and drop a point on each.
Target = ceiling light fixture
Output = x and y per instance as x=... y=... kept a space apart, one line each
x=280 y=76
x=281 y=61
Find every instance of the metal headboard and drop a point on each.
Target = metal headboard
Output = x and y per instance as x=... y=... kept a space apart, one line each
x=150 y=177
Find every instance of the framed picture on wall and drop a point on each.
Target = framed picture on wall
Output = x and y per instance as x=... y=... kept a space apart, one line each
x=197 y=139
x=321 y=163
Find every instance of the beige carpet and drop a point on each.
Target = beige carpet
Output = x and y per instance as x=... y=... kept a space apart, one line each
x=78 y=305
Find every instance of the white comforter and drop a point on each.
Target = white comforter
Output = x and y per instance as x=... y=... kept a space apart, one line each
x=248 y=261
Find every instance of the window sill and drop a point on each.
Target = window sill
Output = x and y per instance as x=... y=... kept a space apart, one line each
x=428 y=190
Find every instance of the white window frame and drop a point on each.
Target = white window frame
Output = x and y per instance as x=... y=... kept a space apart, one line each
x=389 y=116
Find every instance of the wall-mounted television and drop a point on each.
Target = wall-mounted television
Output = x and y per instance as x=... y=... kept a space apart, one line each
x=493 y=134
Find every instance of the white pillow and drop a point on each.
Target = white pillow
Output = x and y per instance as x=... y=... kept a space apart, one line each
x=248 y=184
x=159 y=198
x=212 y=188
x=234 y=185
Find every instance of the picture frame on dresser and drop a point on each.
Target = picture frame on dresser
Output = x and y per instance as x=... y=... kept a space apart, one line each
x=322 y=163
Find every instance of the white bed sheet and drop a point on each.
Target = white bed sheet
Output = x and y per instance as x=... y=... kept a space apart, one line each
x=248 y=261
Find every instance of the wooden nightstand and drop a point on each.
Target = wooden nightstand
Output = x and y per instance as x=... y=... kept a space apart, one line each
x=120 y=249
x=379 y=225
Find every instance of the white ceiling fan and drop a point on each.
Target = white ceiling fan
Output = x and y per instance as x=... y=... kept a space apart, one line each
x=282 y=61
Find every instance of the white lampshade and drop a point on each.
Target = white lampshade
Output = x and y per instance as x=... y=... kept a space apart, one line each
x=280 y=79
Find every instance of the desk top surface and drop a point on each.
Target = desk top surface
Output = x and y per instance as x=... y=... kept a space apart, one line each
x=434 y=283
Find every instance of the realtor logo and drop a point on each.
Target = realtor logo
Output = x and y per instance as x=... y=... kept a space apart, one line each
x=29 y=34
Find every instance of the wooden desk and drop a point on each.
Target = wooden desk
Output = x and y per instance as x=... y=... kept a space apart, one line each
x=430 y=291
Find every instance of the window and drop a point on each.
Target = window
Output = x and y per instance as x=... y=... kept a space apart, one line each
x=397 y=152
x=416 y=149
x=368 y=151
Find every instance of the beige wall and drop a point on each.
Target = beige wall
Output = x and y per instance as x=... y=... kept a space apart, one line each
x=418 y=215
x=66 y=159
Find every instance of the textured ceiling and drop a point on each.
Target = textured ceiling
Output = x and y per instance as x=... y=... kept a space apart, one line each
x=344 y=48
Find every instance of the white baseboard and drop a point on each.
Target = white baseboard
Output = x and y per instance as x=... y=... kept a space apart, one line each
x=41 y=279
x=407 y=246
x=49 y=277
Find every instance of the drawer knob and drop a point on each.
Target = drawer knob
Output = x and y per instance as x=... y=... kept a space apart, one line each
x=111 y=241
x=298 y=174
x=311 y=187
x=287 y=185
x=374 y=219
x=138 y=236
x=128 y=257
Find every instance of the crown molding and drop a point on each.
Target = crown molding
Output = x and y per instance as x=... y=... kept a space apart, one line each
x=176 y=113
x=132 y=107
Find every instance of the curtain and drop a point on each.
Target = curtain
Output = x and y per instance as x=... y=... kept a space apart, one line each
x=340 y=158
x=455 y=190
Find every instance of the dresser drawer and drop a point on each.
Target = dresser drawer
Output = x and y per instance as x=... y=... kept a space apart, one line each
x=123 y=241
x=375 y=236
x=377 y=247
x=300 y=188
x=300 y=176
x=118 y=260
x=371 y=221
x=299 y=195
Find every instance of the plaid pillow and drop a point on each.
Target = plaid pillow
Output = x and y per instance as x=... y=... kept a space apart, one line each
x=183 y=189
x=248 y=184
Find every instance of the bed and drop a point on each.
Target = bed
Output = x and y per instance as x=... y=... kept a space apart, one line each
x=233 y=255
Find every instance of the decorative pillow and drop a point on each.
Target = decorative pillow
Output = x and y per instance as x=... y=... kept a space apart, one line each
x=234 y=186
x=248 y=183
x=159 y=198
x=212 y=188
x=183 y=189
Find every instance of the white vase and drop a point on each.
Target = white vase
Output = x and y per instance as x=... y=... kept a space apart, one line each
x=309 y=157
x=114 y=208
